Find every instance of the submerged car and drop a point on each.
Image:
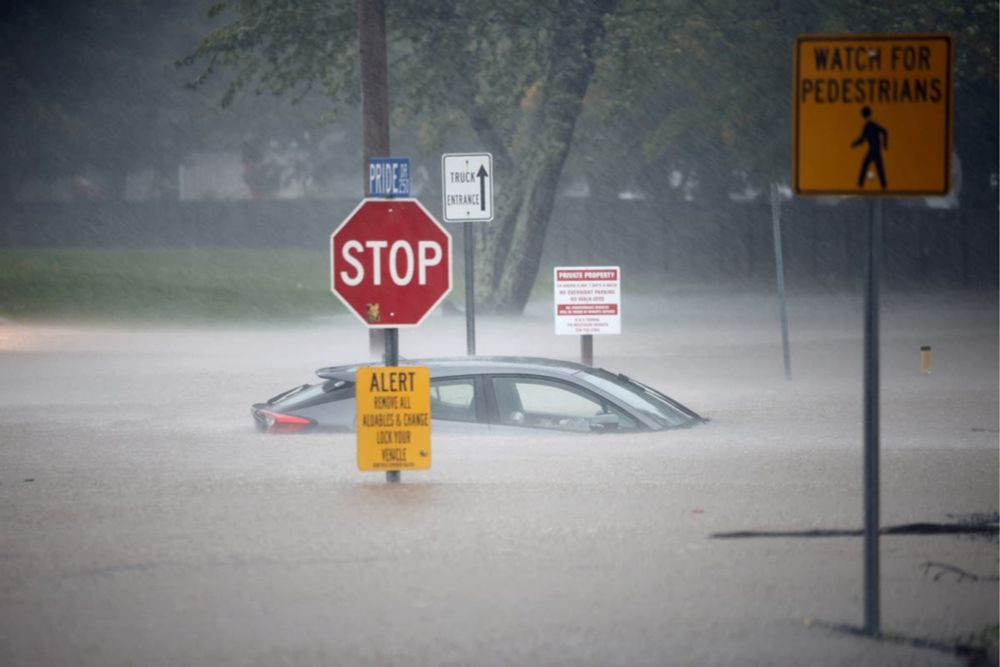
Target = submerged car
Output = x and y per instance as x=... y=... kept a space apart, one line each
x=491 y=395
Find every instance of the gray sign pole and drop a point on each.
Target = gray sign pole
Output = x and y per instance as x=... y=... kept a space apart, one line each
x=470 y=288
x=587 y=349
x=392 y=359
x=871 y=456
x=780 y=270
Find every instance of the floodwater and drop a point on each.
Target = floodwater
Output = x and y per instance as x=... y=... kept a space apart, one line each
x=143 y=521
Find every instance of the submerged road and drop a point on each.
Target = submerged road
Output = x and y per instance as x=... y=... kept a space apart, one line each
x=143 y=521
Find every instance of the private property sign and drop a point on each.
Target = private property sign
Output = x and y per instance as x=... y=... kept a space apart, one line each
x=393 y=417
x=587 y=300
x=873 y=114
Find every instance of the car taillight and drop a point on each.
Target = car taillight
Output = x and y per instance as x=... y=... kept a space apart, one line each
x=275 y=422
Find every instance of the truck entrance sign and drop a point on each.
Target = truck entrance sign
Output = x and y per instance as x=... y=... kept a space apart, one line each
x=873 y=115
x=393 y=417
x=587 y=300
x=467 y=187
x=390 y=262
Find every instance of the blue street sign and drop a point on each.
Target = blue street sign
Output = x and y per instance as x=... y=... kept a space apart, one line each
x=389 y=177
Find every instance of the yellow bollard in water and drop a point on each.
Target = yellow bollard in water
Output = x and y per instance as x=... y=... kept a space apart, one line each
x=925 y=359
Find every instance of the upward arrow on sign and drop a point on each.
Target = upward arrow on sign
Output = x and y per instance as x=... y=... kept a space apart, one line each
x=482 y=175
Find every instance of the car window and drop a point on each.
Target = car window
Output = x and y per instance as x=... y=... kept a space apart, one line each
x=540 y=403
x=453 y=400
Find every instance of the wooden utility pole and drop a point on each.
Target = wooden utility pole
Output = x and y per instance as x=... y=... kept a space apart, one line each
x=374 y=106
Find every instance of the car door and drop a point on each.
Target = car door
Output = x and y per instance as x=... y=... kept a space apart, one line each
x=525 y=403
x=457 y=405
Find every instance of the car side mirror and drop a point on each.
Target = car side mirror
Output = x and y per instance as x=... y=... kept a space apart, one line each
x=604 y=422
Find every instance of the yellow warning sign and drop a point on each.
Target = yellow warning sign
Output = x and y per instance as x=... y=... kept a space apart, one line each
x=393 y=417
x=873 y=115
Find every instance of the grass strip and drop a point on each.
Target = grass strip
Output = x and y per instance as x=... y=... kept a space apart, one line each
x=162 y=285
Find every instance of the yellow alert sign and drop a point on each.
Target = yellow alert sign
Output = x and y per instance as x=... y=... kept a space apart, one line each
x=393 y=417
x=873 y=115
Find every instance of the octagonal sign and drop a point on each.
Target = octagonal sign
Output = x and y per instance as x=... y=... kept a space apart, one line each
x=390 y=262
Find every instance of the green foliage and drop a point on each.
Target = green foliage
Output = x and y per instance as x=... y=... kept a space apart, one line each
x=513 y=72
x=694 y=86
x=703 y=87
x=642 y=89
x=83 y=84
x=477 y=63
x=286 y=49
x=92 y=87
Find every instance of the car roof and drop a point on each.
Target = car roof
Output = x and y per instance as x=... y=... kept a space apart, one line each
x=445 y=366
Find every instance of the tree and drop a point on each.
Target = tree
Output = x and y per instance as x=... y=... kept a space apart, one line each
x=516 y=72
x=701 y=87
x=92 y=86
x=694 y=87
x=531 y=66
x=87 y=84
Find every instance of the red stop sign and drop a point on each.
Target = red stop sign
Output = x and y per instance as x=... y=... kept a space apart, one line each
x=390 y=262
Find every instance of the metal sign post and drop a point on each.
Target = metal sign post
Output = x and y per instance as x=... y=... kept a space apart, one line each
x=470 y=288
x=587 y=350
x=780 y=271
x=871 y=456
x=391 y=360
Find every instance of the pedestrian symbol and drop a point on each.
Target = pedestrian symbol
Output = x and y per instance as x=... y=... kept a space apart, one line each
x=878 y=140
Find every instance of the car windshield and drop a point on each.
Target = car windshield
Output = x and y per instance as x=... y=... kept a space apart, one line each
x=651 y=403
